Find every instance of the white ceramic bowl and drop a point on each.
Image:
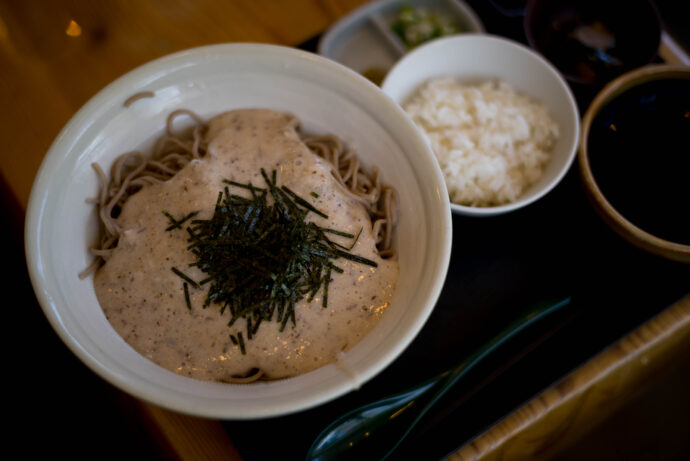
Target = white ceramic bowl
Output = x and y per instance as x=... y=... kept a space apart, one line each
x=327 y=97
x=475 y=57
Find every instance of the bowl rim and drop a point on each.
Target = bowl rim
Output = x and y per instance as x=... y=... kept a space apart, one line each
x=80 y=121
x=626 y=229
x=528 y=29
x=520 y=202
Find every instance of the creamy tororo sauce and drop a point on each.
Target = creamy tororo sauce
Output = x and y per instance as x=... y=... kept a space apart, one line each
x=143 y=299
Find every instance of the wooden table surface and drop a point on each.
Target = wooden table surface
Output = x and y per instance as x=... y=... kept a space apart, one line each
x=55 y=55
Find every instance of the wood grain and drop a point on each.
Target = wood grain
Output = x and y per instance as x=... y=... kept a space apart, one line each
x=562 y=414
x=187 y=437
x=55 y=55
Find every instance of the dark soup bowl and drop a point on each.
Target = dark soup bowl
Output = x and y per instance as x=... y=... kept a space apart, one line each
x=634 y=158
x=591 y=41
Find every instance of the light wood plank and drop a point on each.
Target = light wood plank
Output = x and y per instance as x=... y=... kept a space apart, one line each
x=189 y=438
x=558 y=417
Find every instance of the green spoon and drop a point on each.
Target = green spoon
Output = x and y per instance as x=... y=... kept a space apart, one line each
x=375 y=430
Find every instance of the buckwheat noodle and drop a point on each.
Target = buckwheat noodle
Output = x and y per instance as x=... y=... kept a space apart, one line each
x=133 y=171
x=379 y=199
x=254 y=374
x=137 y=96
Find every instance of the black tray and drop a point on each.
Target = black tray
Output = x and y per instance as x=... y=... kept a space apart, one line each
x=499 y=267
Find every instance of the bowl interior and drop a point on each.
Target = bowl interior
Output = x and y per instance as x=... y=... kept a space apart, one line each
x=474 y=57
x=328 y=98
x=591 y=41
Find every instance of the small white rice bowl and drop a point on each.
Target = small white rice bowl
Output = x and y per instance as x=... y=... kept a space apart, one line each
x=501 y=120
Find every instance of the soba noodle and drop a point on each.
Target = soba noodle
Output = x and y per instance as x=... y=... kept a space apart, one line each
x=133 y=171
x=137 y=96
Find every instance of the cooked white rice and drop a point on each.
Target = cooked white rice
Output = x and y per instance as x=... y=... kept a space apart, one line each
x=491 y=142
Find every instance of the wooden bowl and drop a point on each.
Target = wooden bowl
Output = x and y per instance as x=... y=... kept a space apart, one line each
x=614 y=139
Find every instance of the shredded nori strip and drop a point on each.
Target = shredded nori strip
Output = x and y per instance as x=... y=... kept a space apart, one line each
x=241 y=341
x=337 y=232
x=185 y=288
x=176 y=224
x=260 y=255
x=303 y=202
x=185 y=277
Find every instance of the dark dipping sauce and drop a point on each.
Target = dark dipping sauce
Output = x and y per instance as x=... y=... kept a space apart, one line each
x=639 y=152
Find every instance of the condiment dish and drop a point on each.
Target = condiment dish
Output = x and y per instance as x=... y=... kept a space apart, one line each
x=474 y=58
x=328 y=98
x=365 y=41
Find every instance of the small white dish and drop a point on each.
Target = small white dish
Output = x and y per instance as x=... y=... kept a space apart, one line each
x=327 y=97
x=364 y=41
x=477 y=57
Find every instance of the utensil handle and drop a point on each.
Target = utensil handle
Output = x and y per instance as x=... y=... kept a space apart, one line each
x=453 y=375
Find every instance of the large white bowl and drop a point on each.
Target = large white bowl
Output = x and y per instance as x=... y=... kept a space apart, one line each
x=327 y=97
x=476 y=57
